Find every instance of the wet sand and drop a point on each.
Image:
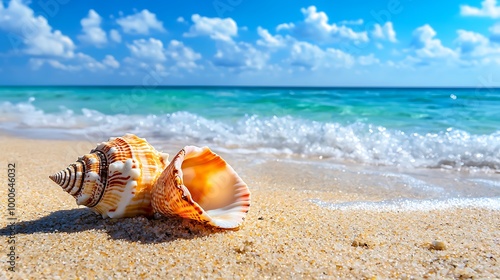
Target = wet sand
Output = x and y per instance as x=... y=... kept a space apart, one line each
x=285 y=234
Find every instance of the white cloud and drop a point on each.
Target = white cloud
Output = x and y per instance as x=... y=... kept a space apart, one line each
x=239 y=56
x=37 y=63
x=149 y=50
x=110 y=61
x=216 y=28
x=92 y=31
x=134 y=67
x=269 y=40
x=316 y=27
x=38 y=39
x=488 y=8
x=312 y=57
x=476 y=49
x=427 y=47
x=385 y=32
x=306 y=55
x=495 y=33
x=115 y=36
x=469 y=41
x=32 y=32
x=140 y=23
x=368 y=60
x=184 y=57
x=180 y=19
x=79 y=62
x=285 y=26
x=151 y=53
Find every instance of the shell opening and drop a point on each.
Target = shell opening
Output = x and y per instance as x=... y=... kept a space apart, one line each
x=198 y=184
x=209 y=184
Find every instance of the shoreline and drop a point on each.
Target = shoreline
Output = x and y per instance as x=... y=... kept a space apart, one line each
x=284 y=235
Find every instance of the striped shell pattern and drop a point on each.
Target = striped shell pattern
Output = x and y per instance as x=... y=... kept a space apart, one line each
x=127 y=177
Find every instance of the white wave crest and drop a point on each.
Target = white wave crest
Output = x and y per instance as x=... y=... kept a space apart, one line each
x=284 y=135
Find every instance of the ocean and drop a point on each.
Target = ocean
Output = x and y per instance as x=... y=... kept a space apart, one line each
x=402 y=136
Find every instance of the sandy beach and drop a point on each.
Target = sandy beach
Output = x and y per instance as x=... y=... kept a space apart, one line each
x=285 y=235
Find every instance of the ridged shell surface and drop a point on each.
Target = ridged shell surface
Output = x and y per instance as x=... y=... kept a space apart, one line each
x=198 y=184
x=116 y=178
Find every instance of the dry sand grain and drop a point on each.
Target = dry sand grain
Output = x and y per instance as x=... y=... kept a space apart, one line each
x=284 y=235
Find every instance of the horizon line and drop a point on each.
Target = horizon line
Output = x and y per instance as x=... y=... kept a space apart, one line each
x=267 y=86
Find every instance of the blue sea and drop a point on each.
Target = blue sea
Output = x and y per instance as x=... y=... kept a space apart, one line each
x=436 y=147
x=424 y=128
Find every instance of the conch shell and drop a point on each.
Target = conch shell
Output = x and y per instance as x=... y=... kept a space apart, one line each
x=127 y=177
x=200 y=185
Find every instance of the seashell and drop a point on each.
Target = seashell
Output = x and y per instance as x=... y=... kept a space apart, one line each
x=198 y=184
x=127 y=177
x=115 y=179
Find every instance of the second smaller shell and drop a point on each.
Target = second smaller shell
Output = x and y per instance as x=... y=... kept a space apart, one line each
x=198 y=184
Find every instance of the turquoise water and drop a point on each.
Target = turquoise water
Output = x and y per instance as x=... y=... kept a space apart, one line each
x=404 y=127
x=426 y=110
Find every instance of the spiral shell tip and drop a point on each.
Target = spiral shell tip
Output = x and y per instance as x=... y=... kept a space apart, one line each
x=55 y=178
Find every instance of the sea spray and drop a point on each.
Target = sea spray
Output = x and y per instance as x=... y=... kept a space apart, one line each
x=282 y=135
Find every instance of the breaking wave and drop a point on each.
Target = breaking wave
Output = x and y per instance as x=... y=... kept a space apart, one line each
x=360 y=142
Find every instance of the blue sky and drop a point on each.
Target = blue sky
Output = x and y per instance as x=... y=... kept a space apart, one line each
x=243 y=42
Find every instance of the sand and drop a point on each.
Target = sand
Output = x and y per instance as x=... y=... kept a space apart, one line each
x=284 y=236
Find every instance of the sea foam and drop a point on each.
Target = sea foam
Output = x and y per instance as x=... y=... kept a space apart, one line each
x=491 y=203
x=287 y=135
